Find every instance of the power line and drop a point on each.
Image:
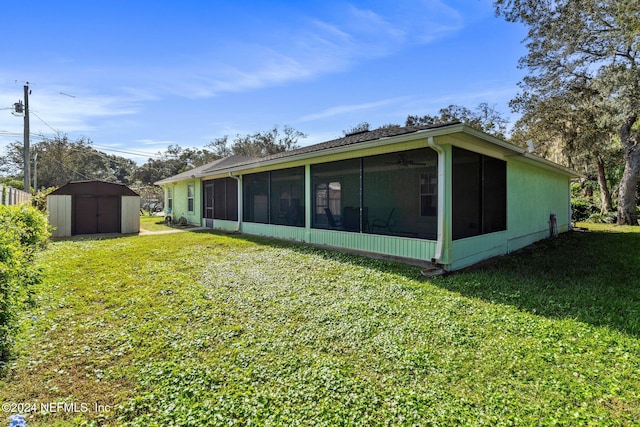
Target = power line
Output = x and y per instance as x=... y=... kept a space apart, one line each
x=131 y=152
x=11 y=134
x=15 y=134
x=71 y=169
x=57 y=131
x=134 y=153
x=102 y=147
x=98 y=153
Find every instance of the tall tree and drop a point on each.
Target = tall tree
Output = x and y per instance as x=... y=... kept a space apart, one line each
x=574 y=128
x=171 y=162
x=258 y=144
x=360 y=127
x=61 y=160
x=485 y=118
x=220 y=146
x=595 y=43
x=194 y=157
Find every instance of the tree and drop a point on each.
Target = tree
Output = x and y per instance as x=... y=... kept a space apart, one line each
x=220 y=147
x=259 y=144
x=194 y=157
x=486 y=119
x=359 y=128
x=571 y=128
x=169 y=163
x=61 y=160
x=596 y=44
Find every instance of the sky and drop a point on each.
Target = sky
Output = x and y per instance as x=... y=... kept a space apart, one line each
x=136 y=76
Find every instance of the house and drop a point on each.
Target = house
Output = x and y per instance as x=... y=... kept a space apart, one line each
x=448 y=195
x=93 y=207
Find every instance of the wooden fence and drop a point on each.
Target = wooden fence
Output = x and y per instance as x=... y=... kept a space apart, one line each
x=13 y=196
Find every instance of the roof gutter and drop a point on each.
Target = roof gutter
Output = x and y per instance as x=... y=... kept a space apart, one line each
x=442 y=224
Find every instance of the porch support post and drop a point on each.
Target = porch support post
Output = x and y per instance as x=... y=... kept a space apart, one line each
x=308 y=197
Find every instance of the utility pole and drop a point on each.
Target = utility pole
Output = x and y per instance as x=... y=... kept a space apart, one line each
x=27 y=157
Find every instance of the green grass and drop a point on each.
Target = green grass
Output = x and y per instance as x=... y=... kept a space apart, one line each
x=208 y=329
x=153 y=223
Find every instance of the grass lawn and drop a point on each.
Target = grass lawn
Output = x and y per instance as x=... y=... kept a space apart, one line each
x=153 y=223
x=198 y=328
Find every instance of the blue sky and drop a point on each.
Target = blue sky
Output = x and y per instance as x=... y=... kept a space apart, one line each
x=146 y=74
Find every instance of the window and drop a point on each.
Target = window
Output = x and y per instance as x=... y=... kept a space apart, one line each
x=275 y=197
x=479 y=199
x=170 y=199
x=328 y=195
x=428 y=194
x=190 y=193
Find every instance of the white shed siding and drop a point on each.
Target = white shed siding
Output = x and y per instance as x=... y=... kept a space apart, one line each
x=59 y=208
x=130 y=218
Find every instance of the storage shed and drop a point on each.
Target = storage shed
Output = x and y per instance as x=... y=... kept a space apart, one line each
x=93 y=207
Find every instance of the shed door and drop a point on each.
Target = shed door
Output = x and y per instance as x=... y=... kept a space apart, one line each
x=108 y=214
x=96 y=214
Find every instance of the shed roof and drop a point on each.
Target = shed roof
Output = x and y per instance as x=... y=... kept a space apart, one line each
x=94 y=188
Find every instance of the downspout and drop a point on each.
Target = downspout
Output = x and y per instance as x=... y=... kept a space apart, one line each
x=237 y=230
x=442 y=208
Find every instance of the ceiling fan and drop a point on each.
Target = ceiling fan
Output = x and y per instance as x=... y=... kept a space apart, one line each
x=403 y=161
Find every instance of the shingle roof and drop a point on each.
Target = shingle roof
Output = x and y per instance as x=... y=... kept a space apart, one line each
x=233 y=162
x=222 y=163
x=349 y=139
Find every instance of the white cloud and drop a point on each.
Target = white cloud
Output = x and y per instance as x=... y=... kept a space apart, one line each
x=399 y=107
x=308 y=48
x=154 y=142
x=349 y=108
x=52 y=112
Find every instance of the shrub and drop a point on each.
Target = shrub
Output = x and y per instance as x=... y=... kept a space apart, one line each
x=581 y=210
x=607 y=218
x=23 y=231
x=39 y=200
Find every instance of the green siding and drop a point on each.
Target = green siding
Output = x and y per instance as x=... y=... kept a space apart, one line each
x=532 y=195
x=277 y=231
x=180 y=206
x=474 y=249
x=416 y=249
x=225 y=225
